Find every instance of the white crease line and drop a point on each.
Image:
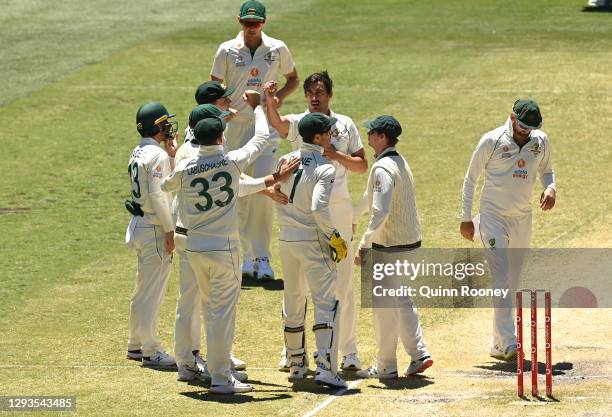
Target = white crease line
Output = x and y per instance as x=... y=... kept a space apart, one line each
x=334 y=397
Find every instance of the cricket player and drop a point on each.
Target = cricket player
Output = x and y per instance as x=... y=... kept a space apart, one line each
x=215 y=93
x=207 y=189
x=151 y=231
x=346 y=154
x=309 y=247
x=187 y=330
x=247 y=62
x=394 y=223
x=511 y=156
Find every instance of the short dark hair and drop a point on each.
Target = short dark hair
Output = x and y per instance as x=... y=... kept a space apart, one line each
x=322 y=76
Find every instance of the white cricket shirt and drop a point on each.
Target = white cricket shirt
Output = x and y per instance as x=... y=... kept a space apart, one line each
x=235 y=66
x=148 y=166
x=309 y=191
x=345 y=138
x=510 y=172
x=208 y=189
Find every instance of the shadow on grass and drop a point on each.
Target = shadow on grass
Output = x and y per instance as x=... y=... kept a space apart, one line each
x=559 y=368
x=308 y=385
x=272 y=285
x=233 y=398
x=162 y=368
x=411 y=382
x=594 y=9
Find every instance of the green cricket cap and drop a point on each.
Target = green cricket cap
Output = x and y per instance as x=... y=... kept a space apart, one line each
x=211 y=91
x=385 y=124
x=252 y=10
x=205 y=111
x=527 y=114
x=314 y=123
x=207 y=130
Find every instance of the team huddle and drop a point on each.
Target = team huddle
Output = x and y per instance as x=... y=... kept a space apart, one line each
x=215 y=196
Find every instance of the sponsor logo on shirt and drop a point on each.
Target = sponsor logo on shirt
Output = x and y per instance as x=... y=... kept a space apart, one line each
x=254 y=82
x=535 y=149
x=506 y=155
x=270 y=57
x=240 y=61
x=520 y=173
x=377 y=187
x=521 y=163
x=505 y=148
x=254 y=72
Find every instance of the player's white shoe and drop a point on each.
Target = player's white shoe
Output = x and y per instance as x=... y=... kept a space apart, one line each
x=237 y=364
x=134 y=354
x=297 y=373
x=191 y=373
x=350 y=362
x=507 y=354
x=233 y=386
x=283 y=366
x=248 y=268
x=158 y=359
x=418 y=366
x=263 y=270
x=374 y=372
x=200 y=362
x=326 y=377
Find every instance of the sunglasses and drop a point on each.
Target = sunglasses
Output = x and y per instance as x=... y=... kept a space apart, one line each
x=251 y=23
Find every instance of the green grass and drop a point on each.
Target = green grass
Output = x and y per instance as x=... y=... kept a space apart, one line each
x=74 y=73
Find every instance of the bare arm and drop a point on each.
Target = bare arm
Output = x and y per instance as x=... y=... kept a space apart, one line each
x=356 y=162
x=278 y=122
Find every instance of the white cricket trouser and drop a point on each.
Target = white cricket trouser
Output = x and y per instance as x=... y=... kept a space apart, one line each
x=307 y=265
x=187 y=331
x=502 y=233
x=401 y=321
x=255 y=212
x=218 y=277
x=342 y=215
x=151 y=281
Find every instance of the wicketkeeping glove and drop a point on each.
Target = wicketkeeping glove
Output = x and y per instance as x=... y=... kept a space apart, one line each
x=338 y=248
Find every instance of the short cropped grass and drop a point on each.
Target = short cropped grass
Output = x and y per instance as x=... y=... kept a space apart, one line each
x=73 y=75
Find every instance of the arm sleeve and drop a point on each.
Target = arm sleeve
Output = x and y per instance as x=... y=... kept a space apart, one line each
x=243 y=156
x=172 y=182
x=479 y=160
x=382 y=195
x=320 y=199
x=160 y=201
x=547 y=174
x=250 y=185
x=286 y=60
x=219 y=68
x=293 y=134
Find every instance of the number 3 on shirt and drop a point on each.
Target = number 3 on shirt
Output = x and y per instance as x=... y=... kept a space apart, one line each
x=298 y=175
x=204 y=192
x=133 y=171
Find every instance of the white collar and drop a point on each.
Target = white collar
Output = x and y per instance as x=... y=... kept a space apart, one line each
x=210 y=149
x=311 y=147
x=149 y=141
